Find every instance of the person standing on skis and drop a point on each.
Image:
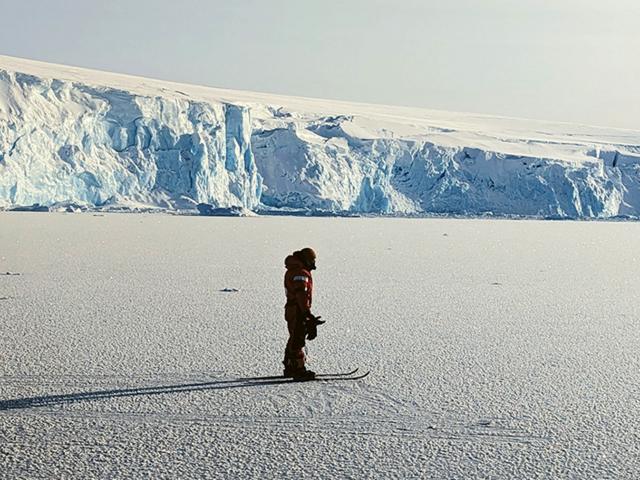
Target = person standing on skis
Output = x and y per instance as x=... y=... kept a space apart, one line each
x=301 y=323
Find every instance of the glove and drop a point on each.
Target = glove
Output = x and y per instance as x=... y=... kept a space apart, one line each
x=311 y=325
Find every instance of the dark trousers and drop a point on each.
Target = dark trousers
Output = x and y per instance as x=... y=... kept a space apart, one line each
x=294 y=351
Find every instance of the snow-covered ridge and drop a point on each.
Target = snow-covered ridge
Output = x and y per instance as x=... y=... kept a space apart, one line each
x=70 y=135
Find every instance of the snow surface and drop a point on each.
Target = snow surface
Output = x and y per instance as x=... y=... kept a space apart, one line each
x=498 y=348
x=76 y=136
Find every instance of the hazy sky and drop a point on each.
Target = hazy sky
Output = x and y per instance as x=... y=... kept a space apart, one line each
x=568 y=60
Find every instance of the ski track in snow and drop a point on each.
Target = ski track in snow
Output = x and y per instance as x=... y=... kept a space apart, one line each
x=503 y=349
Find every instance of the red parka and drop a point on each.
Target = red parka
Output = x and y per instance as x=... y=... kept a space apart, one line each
x=298 y=285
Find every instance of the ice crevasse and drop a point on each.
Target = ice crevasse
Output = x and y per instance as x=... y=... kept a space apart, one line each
x=75 y=136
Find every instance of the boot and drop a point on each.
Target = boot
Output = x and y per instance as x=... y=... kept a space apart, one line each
x=289 y=371
x=294 y=370
x=303 y=375
x=293 y=363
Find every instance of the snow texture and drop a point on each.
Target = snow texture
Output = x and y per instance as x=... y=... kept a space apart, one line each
x=503 y=349
x=71 y=136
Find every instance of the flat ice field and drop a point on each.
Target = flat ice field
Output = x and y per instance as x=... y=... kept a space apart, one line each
x=498 y=348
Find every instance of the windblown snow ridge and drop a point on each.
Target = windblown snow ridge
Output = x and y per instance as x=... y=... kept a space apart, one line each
x=70 y=136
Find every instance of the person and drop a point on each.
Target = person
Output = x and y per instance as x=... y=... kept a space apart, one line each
x=301 y=323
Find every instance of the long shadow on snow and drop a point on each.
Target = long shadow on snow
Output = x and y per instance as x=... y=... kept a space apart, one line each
x=47 y=400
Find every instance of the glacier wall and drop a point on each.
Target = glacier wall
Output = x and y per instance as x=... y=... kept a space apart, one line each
x=70 y=142
x=324 y=167
x=62 y=142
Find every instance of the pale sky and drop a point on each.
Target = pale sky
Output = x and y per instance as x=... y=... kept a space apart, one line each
x=565 y=60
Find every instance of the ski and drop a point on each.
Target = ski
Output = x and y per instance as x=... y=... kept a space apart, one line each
x=282 y=377
x=324 y=377
x=336 y=378
x=345 y=374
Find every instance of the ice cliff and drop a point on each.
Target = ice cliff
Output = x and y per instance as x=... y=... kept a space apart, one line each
x=67 y=142
x=75 y=136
